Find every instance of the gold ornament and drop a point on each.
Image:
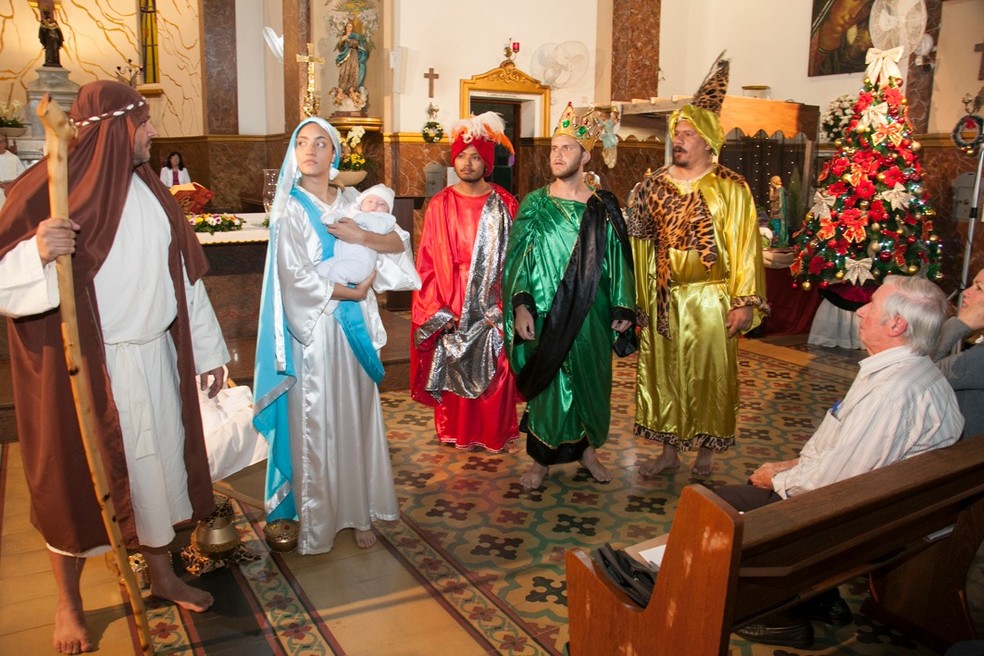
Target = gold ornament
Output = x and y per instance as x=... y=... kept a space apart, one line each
x=863 y=204
x=933 y=239
x=846 y=177
x=867 y=81
x=912 y=268
x=916 y=145
x=806 y=286
x=904 y=101
x=875 y=227
x=873 y=248
x=839 y=275
x=881 y=177
x=930 y=211
x=938 y=275
x=838 y=143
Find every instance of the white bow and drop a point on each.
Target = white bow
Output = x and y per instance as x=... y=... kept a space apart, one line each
x=883 y=64
x=898 y=197
x=858 y=271
x=874 y=116
x=822 y=203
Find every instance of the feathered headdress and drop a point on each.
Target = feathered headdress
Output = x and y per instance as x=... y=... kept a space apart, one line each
x=704 y=111
x=483 y=132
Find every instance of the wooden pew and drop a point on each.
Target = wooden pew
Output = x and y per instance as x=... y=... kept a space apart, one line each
x=723 y=570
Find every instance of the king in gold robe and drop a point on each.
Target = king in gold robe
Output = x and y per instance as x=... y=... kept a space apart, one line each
x=697 y=256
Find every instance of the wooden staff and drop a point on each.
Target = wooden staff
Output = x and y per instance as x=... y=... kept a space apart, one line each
x=59 y=133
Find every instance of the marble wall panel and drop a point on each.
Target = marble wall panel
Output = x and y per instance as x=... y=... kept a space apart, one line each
x=635 y=49
x=220 y=87
x=942 y=163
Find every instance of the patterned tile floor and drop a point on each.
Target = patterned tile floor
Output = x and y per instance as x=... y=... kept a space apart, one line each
x=475 y=565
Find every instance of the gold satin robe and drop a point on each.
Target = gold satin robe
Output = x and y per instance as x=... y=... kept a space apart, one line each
x=687 y=384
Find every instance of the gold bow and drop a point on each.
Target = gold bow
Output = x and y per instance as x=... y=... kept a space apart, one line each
x=892 y=132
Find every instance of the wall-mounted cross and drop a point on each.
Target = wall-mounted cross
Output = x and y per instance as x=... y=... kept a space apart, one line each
x=979 y=47
x=431 y=76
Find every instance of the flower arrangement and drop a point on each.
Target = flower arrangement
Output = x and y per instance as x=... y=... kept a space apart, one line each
x=10 y=114
x=212 y=223
x=836 y=117
x=352 y=157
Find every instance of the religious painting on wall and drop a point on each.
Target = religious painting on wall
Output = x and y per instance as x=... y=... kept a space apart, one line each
x=349 y=27
x=839 y=36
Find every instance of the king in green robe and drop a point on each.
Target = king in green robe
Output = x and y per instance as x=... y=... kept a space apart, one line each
x=570 y=264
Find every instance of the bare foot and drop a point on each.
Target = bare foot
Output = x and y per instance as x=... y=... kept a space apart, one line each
x=593 y=465
x=704 y=463
x=365 y=539
x=533 y=477
x=71 y=635
x=165 y=584
x=667 y=460
x=182 y=594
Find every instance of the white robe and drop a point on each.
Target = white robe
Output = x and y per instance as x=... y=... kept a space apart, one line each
x=342 y=476
x=136 y=306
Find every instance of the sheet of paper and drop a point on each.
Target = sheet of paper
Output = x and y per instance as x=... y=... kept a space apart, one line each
x=654 y=556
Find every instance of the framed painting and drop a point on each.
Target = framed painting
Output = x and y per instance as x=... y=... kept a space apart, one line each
x=839 y=36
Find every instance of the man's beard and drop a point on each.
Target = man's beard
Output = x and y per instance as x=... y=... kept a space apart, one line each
x=568 y=172
x=474 y=176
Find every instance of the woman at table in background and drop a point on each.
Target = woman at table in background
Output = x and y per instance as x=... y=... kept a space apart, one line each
x=174 y=171
x=316 y=398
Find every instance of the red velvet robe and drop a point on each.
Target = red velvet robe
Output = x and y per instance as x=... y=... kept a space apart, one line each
x=444 y=263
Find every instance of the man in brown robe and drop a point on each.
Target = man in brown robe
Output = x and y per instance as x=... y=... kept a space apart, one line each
x=146 y=327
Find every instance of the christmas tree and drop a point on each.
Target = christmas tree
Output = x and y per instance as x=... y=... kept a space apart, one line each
x=871 y=215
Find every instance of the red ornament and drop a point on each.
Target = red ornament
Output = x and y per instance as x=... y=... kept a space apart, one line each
x=885 y=256
x=831 y=243
x=824 y=284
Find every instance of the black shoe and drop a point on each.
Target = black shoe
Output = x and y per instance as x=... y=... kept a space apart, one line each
x=797 y=634
x=829 y=608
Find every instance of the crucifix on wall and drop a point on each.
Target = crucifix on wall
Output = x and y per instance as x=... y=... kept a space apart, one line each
x=431 y=76
x=312 y=103
x=978 y=47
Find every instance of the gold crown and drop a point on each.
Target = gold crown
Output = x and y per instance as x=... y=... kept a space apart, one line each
x=588 y=127
x=585 y=128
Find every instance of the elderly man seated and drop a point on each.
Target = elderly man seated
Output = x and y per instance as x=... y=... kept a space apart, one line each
x=899 y=406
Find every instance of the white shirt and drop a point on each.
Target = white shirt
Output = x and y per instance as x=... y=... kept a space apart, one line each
x=167 y=176
x=10 y=166
x=28 y=288
x=900 y=405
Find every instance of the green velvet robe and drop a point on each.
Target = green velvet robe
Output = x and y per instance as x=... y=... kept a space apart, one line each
x=576 y=403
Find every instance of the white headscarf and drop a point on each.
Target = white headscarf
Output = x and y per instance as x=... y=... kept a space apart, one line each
x=289 y=176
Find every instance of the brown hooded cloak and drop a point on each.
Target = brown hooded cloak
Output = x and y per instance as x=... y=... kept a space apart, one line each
x=100 y=169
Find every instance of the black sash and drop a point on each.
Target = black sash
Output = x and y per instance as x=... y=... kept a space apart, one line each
x=575 y=294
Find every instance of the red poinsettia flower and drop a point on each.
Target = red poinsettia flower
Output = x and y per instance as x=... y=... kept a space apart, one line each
x=838 y=165
x=850 y=201
x=864 y=100
x=837 y=189
x=816 y=264
x=893 y=96
x=865 y=189
x=877 y=211
x=892 y=176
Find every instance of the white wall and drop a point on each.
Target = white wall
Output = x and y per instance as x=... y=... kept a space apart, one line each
x=463 y=39
x=957 y=63
x=767 y=41
x=260 y=88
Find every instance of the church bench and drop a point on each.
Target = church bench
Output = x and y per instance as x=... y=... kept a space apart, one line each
x=722 y=570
